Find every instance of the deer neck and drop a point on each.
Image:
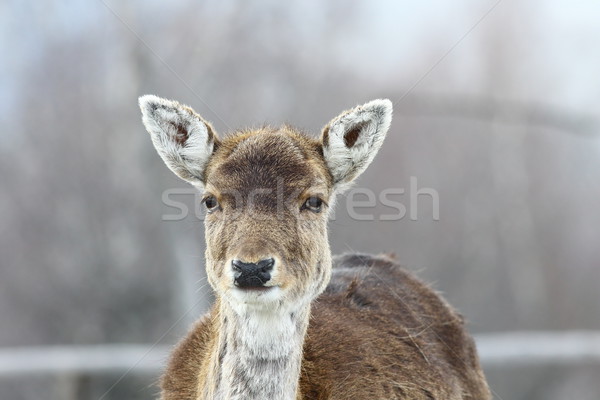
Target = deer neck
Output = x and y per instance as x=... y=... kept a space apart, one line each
x=258 y=352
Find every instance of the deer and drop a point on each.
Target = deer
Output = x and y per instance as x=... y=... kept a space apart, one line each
x=289 y=320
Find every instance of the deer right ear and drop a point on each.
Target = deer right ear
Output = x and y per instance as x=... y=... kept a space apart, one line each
x=183 y=139
x=351 y=140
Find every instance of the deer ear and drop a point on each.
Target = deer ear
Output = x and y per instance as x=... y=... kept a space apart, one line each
x=183 y=139
x=352 y=139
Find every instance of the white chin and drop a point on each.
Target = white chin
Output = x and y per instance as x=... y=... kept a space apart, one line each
x=256 y=297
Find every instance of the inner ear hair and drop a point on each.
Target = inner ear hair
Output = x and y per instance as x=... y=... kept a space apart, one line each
x=182 y=132
x=351 y=136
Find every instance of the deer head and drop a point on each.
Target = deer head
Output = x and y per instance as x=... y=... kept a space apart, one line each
x=267 y=193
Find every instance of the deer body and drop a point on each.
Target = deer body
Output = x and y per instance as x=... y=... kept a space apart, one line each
x=287 y=323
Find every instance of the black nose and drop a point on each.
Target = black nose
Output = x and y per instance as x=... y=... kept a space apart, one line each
x=249 y=275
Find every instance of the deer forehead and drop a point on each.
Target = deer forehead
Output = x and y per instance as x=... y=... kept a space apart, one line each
x=266 y=163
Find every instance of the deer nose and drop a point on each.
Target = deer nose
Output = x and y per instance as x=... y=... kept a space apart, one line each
x=252 y=275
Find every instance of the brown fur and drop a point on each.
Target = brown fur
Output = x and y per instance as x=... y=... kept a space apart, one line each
x=373 y=331
x=376 y=333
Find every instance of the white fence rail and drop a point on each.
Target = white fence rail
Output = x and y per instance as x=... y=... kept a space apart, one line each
x=498 y=350
x=518 y=348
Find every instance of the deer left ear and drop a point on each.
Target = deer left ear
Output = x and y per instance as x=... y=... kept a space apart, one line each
x=352 y=139
x=183 y=139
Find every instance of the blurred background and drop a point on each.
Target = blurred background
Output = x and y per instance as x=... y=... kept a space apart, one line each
x=496 y=108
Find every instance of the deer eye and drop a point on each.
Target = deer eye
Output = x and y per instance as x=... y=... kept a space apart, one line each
x=313 y=203
x=211 y=203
